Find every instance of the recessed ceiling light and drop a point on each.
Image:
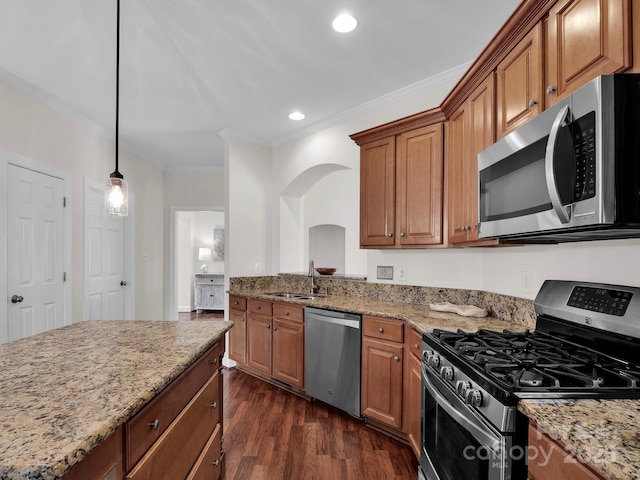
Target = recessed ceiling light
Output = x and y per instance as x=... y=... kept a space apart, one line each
x=296 y=116
x=344 y=23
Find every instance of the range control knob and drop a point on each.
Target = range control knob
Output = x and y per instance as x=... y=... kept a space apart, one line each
x=434 y=361
x=462 y=388
x=447 y=373
x=474 y=398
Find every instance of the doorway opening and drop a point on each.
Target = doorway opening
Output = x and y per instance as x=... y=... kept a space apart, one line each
x=196 y=255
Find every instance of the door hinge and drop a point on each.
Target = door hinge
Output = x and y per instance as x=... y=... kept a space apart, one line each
x=64 y=276
x=64 y=202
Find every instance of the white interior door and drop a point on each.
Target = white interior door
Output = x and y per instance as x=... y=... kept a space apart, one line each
x=35 y=228
x=104 y=259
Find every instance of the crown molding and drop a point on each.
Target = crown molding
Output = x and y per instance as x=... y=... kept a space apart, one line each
x=445 y=78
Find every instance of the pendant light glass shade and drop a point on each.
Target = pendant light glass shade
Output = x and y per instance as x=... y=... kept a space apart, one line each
x=116 y=198
x=116 y=195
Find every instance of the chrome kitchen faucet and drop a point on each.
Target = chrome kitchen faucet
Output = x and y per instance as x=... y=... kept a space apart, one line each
x=313 y=288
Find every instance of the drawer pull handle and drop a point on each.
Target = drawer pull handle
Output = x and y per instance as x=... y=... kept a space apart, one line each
x=235 y=303
x=380 y=330
x=416 y=346
x=396 y=358
x=214 y=361
x=214 y=405
x=155 y=425
x=258 y=307
x=216 y=463
x=286 y=312
x=275 y=328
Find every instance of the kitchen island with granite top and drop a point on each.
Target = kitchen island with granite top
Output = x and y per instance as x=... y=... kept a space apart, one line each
x=135 y=386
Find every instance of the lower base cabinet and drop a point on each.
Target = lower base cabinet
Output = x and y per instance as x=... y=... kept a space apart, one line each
x=103 y=463
x=555 y=463
x=413 y=389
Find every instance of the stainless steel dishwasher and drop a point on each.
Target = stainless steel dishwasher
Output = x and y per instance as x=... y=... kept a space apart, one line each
x=332 y=358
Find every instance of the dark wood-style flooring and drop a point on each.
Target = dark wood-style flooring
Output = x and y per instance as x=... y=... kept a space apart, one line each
x=205 y=315
x=271 y=434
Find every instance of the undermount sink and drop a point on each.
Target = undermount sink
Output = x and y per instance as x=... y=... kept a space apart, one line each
x=297 y=296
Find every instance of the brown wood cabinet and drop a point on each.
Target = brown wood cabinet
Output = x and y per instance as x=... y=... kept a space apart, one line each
x=470 y=130
x=238 y=334
x=382 y=368
x=103 y=463
x=288 y=344
x=168 y=438
x=274 y=341
x=556 y=463
x=585 y=38
x=519 y=80
x=401 y=189
x=413 y=389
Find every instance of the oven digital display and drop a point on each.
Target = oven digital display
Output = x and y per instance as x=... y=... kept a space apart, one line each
x=602 y=300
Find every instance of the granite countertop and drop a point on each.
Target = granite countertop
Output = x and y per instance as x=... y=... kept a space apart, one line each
x=604 y=434
x=420 y=317
x=64 y=391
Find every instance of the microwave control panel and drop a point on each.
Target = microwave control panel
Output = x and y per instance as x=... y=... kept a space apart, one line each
x=584 y=144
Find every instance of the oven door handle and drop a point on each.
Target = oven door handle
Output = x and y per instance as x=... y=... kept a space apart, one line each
x=549 y=160
x=477 y=429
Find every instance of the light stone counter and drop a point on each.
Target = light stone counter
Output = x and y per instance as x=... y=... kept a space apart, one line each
x=604 y=434
x=63 y=392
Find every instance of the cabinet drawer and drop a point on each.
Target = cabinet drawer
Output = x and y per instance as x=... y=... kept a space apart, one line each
x=237 y=303
x=414 y=343
x=175 y=452
x=141 y=430
x=384 y=328
x=209 y=279
x=259 y=306
x=209 y=463
x=288 y=311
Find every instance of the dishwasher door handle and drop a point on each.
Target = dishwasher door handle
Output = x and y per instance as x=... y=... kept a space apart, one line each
x=346 y=322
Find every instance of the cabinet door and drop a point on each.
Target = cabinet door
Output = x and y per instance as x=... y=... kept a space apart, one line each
x=520 y=83
x=419 y=182
x=471 y=129
x=382 y=381
x=259 y=343
x=586 y=38
x=288 y=352
x=377 y=193
x=238 y=336
x=413 y=401
x=555 y=464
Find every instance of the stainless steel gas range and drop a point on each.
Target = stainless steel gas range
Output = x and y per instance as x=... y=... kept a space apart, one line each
x=586 y=341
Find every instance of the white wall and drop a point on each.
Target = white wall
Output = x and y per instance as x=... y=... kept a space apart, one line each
x=184 y=262
x=334 y=199
x=38 y=132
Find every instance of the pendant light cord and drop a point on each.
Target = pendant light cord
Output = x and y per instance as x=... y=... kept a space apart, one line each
x=117 y=80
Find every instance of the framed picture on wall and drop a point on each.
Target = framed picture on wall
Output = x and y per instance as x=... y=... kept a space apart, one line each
x=218 y=244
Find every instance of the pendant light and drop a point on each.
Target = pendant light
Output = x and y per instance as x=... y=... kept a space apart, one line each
x=116 y=195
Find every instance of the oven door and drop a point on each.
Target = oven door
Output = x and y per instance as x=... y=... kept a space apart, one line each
x=456 y=442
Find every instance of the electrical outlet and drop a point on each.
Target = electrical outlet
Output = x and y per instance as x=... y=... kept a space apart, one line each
x=525 y=282
x=258 y=267
x=402 y=274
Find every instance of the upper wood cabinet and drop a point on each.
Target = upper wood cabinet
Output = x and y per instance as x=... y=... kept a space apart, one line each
x=378 y=193
x=585 y=38
x=401 y=189
x=470 y=130
x=520 y=83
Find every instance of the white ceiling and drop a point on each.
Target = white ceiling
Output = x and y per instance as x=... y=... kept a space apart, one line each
x=192 y=68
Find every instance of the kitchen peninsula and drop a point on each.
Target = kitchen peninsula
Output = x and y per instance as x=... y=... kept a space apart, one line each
x=66 y=391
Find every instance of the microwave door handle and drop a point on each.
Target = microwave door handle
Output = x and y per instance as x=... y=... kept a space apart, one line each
x=479 y=432
x=561 y=210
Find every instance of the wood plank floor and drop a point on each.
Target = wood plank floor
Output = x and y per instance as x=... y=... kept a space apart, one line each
x=272 y=434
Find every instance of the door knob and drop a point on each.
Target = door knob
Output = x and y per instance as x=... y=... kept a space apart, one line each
x=16 y=299
x=123 y=283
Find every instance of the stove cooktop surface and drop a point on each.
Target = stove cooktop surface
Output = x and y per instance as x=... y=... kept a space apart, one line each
x=536 y=364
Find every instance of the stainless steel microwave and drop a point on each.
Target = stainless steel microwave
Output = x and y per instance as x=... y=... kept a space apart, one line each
x=570 y=174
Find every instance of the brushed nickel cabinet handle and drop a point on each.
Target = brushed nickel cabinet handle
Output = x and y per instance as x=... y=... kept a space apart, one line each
x=214 y=361
x=396 y=358
x=389 y=234
x=268 y=326
x=214 y=405
x=532 y=103
x=380 y=330
x=216 y=463
x=402 y=234
x=155 y=425
x=551 y=89
x=258 y=307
